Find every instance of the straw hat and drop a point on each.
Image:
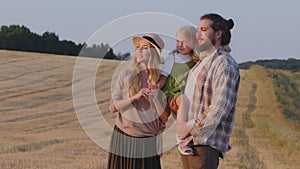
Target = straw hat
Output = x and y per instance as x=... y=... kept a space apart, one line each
x=152 y=38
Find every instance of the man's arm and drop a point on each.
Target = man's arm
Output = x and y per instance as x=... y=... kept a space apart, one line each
x=223 y=99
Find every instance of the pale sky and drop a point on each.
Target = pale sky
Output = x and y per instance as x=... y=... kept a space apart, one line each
x=263 y=29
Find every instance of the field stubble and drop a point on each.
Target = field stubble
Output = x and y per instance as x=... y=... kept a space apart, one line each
x=39 y=127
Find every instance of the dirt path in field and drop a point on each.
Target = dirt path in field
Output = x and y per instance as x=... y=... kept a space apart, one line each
x=262 y=136
x=273 y=136
x=243 y=155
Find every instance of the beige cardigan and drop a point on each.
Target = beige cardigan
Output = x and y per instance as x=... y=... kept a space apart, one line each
x=138 y=119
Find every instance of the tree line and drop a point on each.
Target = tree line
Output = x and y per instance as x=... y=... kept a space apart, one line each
x=289 y=64
x=20 y=38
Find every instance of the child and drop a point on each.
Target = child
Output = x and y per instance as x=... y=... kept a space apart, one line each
x=173 y=78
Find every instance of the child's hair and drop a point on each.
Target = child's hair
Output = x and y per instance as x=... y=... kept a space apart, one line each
x=189 y=32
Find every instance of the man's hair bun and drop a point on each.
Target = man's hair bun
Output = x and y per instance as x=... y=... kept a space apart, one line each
x=230 y=23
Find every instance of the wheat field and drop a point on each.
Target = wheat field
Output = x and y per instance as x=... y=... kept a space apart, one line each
x=40 y=129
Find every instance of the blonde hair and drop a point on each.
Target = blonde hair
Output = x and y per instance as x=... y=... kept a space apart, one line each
x=189 y=32
x=133 y=82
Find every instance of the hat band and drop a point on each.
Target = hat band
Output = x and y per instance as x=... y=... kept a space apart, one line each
x=152 y=41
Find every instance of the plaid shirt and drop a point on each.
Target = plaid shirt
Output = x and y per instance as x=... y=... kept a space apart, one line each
x=213 y=100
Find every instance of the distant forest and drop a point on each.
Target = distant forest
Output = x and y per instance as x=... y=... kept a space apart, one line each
x=20 y=38
x=289 y=64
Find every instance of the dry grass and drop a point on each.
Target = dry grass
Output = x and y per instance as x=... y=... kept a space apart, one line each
x=39 y=127
x=273 y=137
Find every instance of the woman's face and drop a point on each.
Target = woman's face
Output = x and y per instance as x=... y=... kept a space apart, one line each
x=142 y=51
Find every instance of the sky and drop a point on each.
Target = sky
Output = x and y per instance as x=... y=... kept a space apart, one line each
x=263 y=29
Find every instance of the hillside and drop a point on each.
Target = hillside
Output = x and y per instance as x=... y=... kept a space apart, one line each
x=289 y=64
x=40 y=129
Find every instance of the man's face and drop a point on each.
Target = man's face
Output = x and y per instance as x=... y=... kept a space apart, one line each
x=206 y=36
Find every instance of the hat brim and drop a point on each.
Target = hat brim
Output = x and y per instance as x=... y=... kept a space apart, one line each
x=136 y=39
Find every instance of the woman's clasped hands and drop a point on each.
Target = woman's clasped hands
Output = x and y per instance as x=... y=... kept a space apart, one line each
x=148 y=93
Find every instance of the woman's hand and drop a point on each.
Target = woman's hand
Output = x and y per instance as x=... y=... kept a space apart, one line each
x=153 y=90
x=144 y=92
x=112 y=106
x=158 y=102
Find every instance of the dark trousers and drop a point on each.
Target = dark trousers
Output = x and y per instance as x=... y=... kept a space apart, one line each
x=204 y=157
x=129 y=152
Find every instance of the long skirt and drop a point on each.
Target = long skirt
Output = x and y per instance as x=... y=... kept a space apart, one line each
x=128 y=152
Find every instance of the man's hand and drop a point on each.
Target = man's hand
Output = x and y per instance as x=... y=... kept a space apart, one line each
x=182 y=130
x=172 y=104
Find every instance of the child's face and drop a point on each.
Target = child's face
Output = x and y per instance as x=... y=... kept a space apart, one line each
x=184 y=45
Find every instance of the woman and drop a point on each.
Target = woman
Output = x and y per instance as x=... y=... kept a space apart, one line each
x=135 y=142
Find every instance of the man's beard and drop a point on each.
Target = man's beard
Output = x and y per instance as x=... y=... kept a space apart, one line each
x=207 y=45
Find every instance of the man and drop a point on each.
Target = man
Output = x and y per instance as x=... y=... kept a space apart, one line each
x=212 y=90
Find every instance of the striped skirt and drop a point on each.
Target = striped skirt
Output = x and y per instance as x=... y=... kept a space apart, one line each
x=128 y=152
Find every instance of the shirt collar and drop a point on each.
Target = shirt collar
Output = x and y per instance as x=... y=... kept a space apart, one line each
x=207 y=54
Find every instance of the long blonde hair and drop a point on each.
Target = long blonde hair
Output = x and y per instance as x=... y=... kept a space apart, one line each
x=190 y=33
x=133 y=82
